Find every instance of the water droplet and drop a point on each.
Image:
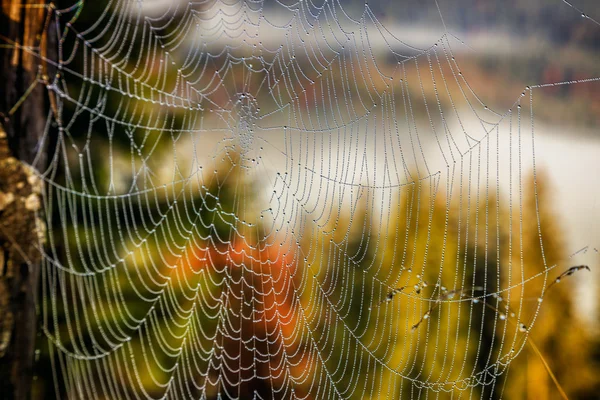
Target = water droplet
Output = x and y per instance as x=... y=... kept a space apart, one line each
x=502 y=316
x=522 y=328
x=539 y=299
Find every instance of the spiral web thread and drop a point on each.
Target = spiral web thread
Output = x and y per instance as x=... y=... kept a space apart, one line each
x=278 y=201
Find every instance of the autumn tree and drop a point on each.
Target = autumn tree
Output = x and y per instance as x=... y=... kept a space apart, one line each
x=558 y=333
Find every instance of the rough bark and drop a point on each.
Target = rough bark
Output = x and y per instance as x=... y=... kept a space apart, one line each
x=22 y=119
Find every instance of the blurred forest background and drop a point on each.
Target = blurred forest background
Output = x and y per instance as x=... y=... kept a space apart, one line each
x=508 y=45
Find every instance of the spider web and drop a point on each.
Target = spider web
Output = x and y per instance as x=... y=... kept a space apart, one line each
x=280 y=201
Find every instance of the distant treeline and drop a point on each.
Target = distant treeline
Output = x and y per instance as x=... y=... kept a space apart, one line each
x=554 y=19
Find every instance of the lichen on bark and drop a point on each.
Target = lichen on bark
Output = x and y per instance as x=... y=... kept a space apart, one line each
x=22 y=232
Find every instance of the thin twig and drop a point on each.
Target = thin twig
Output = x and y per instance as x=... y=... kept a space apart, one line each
x=389 y=297
x=547 y=366
x=25 y=95
x=568 y=272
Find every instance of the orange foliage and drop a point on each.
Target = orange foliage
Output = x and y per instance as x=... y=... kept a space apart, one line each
x=261 y=339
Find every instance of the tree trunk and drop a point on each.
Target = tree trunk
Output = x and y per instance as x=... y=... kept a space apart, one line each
x=23 y=48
